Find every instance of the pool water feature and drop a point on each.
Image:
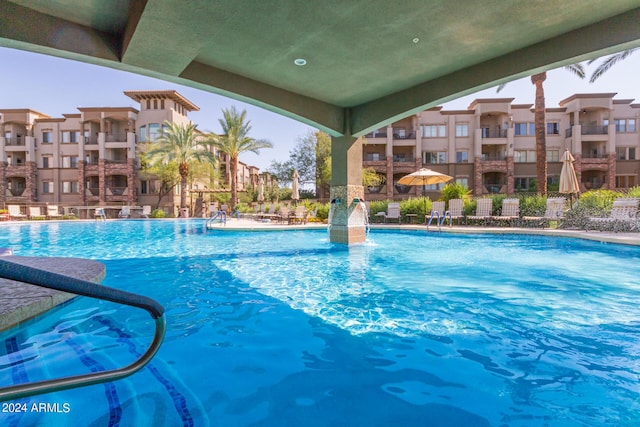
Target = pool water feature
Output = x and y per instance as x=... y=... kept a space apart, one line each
x=286 y=328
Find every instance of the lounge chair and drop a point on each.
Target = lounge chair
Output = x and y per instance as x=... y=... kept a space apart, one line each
x=299 y=215
x=125 y=212
x=100 y=214
x=393 y=212
x=553 y=212
x=484 y=209
x=509 y=213
x=437 y=212
x=36 y=213
x=53 y=212
x=146 y=211
x=623 y=217
x=283 y=214
x=14 y=212
x=456 y=212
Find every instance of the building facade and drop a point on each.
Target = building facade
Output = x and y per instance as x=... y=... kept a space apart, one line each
x=90 y=157
x=491 y=146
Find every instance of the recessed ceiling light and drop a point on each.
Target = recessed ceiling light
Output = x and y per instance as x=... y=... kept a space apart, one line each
x=300 y=62
x=415 y=40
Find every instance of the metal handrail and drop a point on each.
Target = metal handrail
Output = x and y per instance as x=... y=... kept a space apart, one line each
x=46 y=279
x=220 y=215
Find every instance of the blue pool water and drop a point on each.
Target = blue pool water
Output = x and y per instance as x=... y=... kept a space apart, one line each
x=287 y=329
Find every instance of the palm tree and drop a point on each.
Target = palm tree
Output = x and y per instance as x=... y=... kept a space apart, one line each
x=179 y=143
x=609 y=62
x=234 y=141
x=539 y=122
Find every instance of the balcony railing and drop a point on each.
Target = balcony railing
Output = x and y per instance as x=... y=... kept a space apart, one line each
x=116 y=137
x=568 y=132
x=116 y=191
x=403 y=159
x=376 y=135
x=90 y=140
x=93 y=191
x=594 y=130
x=374 y=157
x=494 y=133
x=15 y=141
x=594 y=155
x=409 y=135
x=491 y=157
x=116 y=162
x=15 y=193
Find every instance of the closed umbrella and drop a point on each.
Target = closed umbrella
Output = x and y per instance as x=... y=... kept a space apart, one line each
x=424 y=177
x=568 y=179
x=295 y=193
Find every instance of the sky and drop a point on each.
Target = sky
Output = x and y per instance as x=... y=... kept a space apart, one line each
x=56 y=86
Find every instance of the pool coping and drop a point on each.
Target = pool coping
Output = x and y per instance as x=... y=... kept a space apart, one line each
x=21 y=301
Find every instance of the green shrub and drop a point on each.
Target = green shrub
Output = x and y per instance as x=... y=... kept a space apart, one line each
x=455 y=191
x=322 y=210
x=158 y=213
x=469 y=207
x=420 y=206
x=244 y=208
x=377 y=206
x=634 y=192
x=533 y=205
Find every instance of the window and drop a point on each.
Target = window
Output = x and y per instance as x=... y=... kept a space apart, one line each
x=553 y=128
x=553 y=156
x=522 y=183
x=434 y=131
x=154 y=131
x=434 y=187
x=47 y=137
x=47 y=187
x=462 y=130
x=521 y=156
x=625 y=125
x=434 y=157
x=69 y=186
x=462 y=156
x=69 y=161
x=524 y=129
x=631 y=125
x=625 y=153
x=463 y=181
x=143 y=133
x=46 y=160
x=625 y=181
x=70 y=137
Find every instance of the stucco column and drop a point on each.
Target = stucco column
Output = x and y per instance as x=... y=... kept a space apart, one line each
x=347 y=219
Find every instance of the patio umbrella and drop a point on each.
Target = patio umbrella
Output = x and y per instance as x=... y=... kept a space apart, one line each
x=568 y=179
x=424 y=177
x=295 y=194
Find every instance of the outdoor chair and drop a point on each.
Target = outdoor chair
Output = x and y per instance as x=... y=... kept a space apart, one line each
x=393 y=212
x=484 y=209
x=623 y=217
x=14 y=212
x=437 y=212
x=509 y=213
x=456 y=212
x=146 y=211
x=35 y=213
x=125 y=212
x=299 y=215
x=100 y=214
x=553 y=212
x=53 y=212
x=283 y=214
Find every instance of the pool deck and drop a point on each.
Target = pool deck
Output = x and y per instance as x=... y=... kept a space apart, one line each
x=20 y=301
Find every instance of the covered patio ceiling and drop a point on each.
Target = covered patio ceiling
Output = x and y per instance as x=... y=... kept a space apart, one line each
x=368 y=62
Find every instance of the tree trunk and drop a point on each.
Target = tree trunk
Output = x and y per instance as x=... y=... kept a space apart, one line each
x=184 y=174
x=234 y=182
x=541 y=143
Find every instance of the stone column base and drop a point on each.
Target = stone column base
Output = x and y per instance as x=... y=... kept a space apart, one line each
x=347 y=220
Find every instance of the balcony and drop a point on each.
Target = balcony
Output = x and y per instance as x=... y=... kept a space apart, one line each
x=592 y=155
x=374 y=157
x=595 y=130
x=91 y=140
x=493 y=157
x=486 y=133
x=15 y=193
x=376 y=134
x=401 y=158
x=116 y=137
x=15 y=141
x=404 y=135
x=117 y=191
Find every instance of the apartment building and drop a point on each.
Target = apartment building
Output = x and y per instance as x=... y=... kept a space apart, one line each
x=491 y=146
x=90 y=157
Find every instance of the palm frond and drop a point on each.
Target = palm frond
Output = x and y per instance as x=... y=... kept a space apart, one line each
x=609 y=62
x=576 y=69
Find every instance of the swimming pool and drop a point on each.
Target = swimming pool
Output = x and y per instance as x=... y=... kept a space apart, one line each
x=287 y=329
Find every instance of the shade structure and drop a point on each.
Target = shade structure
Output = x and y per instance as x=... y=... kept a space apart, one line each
x=295 y=193
x=568 y=179
x=423 y=177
